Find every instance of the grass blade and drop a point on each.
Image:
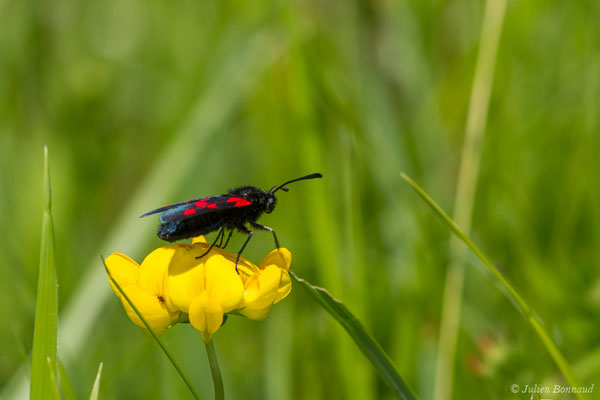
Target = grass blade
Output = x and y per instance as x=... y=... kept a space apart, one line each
x=96 y=387
x=66 y=387
x=513 y=294
x=43 y=362
x=465 y=193
x=367 y=344
x=54 y=393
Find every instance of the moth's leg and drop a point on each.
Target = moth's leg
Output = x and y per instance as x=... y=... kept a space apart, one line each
x=219 y=235
x=228 y=237
x=250 y=233
x=220 y=245
x=266 y=228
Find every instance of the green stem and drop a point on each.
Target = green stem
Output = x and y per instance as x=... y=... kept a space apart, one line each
x=466 y=186
x=154 y=335
x=215 y=370
x=513 y=294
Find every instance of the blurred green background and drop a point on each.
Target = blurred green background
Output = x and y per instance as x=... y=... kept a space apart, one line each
x=148 y=103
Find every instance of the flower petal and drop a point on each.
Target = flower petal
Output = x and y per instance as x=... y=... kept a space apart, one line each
x=150 y=306
x=261 y=291
x=155 y=268
x=123 y=269
x=213 y=274
x=285 y=287
x=223 y=284
x=198 y=239
x=280 y=257
x=206 y=315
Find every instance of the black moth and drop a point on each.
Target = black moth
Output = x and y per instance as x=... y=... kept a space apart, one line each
x=238 y=208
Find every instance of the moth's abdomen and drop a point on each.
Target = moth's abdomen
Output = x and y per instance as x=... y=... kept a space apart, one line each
x=184 y=229
x=201 y=225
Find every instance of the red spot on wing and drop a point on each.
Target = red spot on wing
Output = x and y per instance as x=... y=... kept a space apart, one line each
x=211 y=206
x=239 y=202
x=200 y=204
x=189 y=211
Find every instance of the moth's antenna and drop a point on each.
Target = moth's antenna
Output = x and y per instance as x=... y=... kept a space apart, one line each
x=282 y=186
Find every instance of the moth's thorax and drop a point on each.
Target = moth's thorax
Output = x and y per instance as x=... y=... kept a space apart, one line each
x=262 y=200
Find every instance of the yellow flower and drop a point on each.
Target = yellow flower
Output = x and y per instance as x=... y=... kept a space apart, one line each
x=172 y=281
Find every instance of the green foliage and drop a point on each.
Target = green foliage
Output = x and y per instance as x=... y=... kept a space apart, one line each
x=143 y=104
x=512 y=293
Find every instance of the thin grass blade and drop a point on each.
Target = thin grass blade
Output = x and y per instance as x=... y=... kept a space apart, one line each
x=54 y=393
x=466 y=187
x=46 y=310
x=96 y=387
x=367 y=344
x=66 y=387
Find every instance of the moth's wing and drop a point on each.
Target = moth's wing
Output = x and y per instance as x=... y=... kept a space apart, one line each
x=191 y=209
x=165 y=208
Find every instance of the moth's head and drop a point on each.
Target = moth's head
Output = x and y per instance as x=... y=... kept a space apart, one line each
x=270 y=202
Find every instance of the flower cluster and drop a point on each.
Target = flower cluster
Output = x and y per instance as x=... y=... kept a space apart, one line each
x=173 y=285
